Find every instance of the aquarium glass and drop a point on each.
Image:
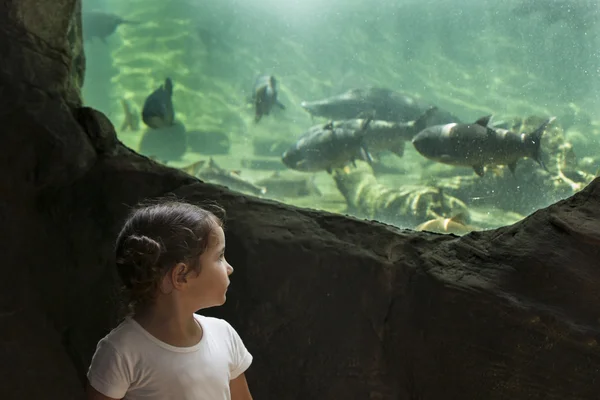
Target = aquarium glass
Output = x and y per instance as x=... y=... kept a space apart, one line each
x=346 y=105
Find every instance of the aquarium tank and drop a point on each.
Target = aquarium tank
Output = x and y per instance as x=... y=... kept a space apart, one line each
x=448 y=116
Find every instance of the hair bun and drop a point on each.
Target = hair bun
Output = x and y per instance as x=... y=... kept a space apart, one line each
x=140 y=250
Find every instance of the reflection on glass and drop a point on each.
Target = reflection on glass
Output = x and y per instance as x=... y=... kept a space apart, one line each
x=446 y=116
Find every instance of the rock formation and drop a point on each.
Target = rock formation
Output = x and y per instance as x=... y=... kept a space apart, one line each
x=331 y=307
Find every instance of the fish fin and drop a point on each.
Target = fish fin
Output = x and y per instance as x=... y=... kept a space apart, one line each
x=328 y=169
x=169 y=86
x=365 y=123
x=353 y=163
x=512 y=167
x=315 y=188
x=422 y=122
x=236 y=172
x=461 y=218
x=535 y=140
x=125 y=124
x=483 y=121
x=398 y=149
x=193 y=168
x=258 y=100
x=479 y=170
x=213 y=164
x=280 y=104
x=365 y=155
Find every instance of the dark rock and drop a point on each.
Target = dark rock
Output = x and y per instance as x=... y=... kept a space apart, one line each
x=99 y=129
x=331 y=307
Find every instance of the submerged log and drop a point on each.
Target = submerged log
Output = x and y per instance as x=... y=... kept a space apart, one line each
x=331 y=307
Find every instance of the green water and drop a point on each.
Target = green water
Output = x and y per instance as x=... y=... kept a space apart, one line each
x=471 y=58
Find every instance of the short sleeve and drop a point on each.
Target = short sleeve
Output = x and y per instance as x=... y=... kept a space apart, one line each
x=241 y=357
x=108 y=372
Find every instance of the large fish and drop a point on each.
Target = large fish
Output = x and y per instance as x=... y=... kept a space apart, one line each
x=382 y=104
x=477 y=145
x=338 y=143
x=158 y=111
x=264 y=96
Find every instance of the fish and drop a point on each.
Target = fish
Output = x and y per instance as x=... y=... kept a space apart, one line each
x=264 y=96
x=101 y=24
x=477 y=145
x=213 y=173
x=158 y=111
x=383 y=104
x=284 y=185
x=457 y=225
x=131 y=119
x=338 y=143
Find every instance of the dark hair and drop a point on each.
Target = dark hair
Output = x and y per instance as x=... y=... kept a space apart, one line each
x=157 y=237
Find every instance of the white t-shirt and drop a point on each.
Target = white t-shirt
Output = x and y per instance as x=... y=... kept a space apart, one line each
x=130 y=363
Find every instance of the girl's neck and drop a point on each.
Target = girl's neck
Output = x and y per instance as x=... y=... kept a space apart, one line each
x=169 y=325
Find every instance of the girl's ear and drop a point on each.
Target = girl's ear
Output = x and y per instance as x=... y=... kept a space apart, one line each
x=179 y=275
x=166 y=284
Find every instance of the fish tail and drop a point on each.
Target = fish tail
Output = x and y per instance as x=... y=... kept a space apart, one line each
x=423 y=121
x=534 y=141
x=169 y=86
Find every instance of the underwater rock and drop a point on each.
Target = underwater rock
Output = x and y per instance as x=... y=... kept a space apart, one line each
x=166 y=144
x=406 y=206
x=208 y=142
x=331 y=307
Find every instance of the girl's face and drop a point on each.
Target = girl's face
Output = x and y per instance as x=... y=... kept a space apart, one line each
x=209 y=287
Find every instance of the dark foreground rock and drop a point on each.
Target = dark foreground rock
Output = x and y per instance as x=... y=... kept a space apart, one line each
x=331 y=307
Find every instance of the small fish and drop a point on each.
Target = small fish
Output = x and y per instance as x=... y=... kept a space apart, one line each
x=380 y=103
x=336 y=144
x=477 y=145
x=283 y=185
x=215 y=174
x=158 y=110
x=101 y=24
x=131 y=119
x=264 y=96
x=456 y=225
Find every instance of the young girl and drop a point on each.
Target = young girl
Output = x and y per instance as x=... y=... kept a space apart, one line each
x=170 y=257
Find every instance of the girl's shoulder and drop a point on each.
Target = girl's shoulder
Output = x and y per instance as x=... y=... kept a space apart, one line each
x=213 y=324
x=125 y=335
